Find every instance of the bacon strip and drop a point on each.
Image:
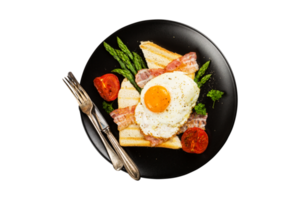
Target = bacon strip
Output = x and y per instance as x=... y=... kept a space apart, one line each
x=153 y=141
x=186 y=63
x=195 y=120
x=145 y=75
x=123 y=117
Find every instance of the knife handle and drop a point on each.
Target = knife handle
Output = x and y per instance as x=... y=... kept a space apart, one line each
x=115 y=160
x=129 y=165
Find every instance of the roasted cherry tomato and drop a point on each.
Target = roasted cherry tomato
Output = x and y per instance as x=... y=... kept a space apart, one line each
x=108 y=86
x=194 y=140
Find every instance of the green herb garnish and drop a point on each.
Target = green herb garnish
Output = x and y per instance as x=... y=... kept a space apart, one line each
x=107 y=107
x=200 y=109
x=215 y=95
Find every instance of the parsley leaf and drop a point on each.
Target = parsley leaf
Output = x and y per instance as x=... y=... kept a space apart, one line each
x=215 y=95
x=200 y=109
x=108 y=107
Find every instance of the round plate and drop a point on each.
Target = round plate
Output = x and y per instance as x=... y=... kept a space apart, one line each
x=179 y=38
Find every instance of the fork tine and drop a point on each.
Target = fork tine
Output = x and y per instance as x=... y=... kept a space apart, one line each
x=72 y=77
x=71 y=90
x=78 y=90
x=83 y=92
x=75 y=89
x=74 y=80
x=64 y=80
x=78 y=86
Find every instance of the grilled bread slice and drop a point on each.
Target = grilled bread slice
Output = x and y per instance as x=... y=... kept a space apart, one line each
x=158 y=57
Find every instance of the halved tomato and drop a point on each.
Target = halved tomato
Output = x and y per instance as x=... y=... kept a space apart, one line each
x=194 y=140
x=108 y=86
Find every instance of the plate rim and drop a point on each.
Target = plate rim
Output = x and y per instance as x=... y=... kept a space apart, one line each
x=236 y=87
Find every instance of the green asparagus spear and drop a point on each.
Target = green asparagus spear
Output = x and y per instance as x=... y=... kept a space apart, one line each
x=124 y=48
x=114 y=54
x=201 y=71
x=136 y=61
x=126 y=60
x=203 y=80
x=142 y=63
x=126 y=73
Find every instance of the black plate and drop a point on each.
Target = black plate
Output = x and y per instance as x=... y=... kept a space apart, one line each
x=179 y=38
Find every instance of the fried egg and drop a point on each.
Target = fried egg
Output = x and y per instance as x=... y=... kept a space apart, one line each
x=166 y=103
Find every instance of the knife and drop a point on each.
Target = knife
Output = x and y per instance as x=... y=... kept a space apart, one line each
x=129 y=165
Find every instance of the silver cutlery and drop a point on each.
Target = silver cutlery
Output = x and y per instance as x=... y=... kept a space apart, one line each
x=86 y=107
x=129 y=165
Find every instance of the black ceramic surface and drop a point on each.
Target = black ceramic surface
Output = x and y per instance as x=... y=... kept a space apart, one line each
x=179 y=38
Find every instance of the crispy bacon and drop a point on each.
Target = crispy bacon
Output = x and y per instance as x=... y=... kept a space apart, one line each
x=195 y=120
x=153 y=141
x=174 y=65
x=123 y=117
x=145 y=75
x=186 y=63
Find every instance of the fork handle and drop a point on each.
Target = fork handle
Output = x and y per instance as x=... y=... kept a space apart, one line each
x=129 y=165
x=115 y=160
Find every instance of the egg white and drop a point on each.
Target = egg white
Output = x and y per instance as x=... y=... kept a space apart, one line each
x=184 y=93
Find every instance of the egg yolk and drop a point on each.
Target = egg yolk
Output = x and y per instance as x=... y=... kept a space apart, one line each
x=157 y=98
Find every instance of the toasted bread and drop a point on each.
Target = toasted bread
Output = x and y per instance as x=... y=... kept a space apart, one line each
x=156 y=57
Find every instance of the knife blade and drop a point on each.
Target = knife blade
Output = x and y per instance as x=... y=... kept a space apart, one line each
x=101 y=121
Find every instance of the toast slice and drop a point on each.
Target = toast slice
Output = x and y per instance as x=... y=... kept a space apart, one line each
x=156 y=57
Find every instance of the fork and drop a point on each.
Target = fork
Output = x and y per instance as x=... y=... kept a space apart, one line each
x=86 y=107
